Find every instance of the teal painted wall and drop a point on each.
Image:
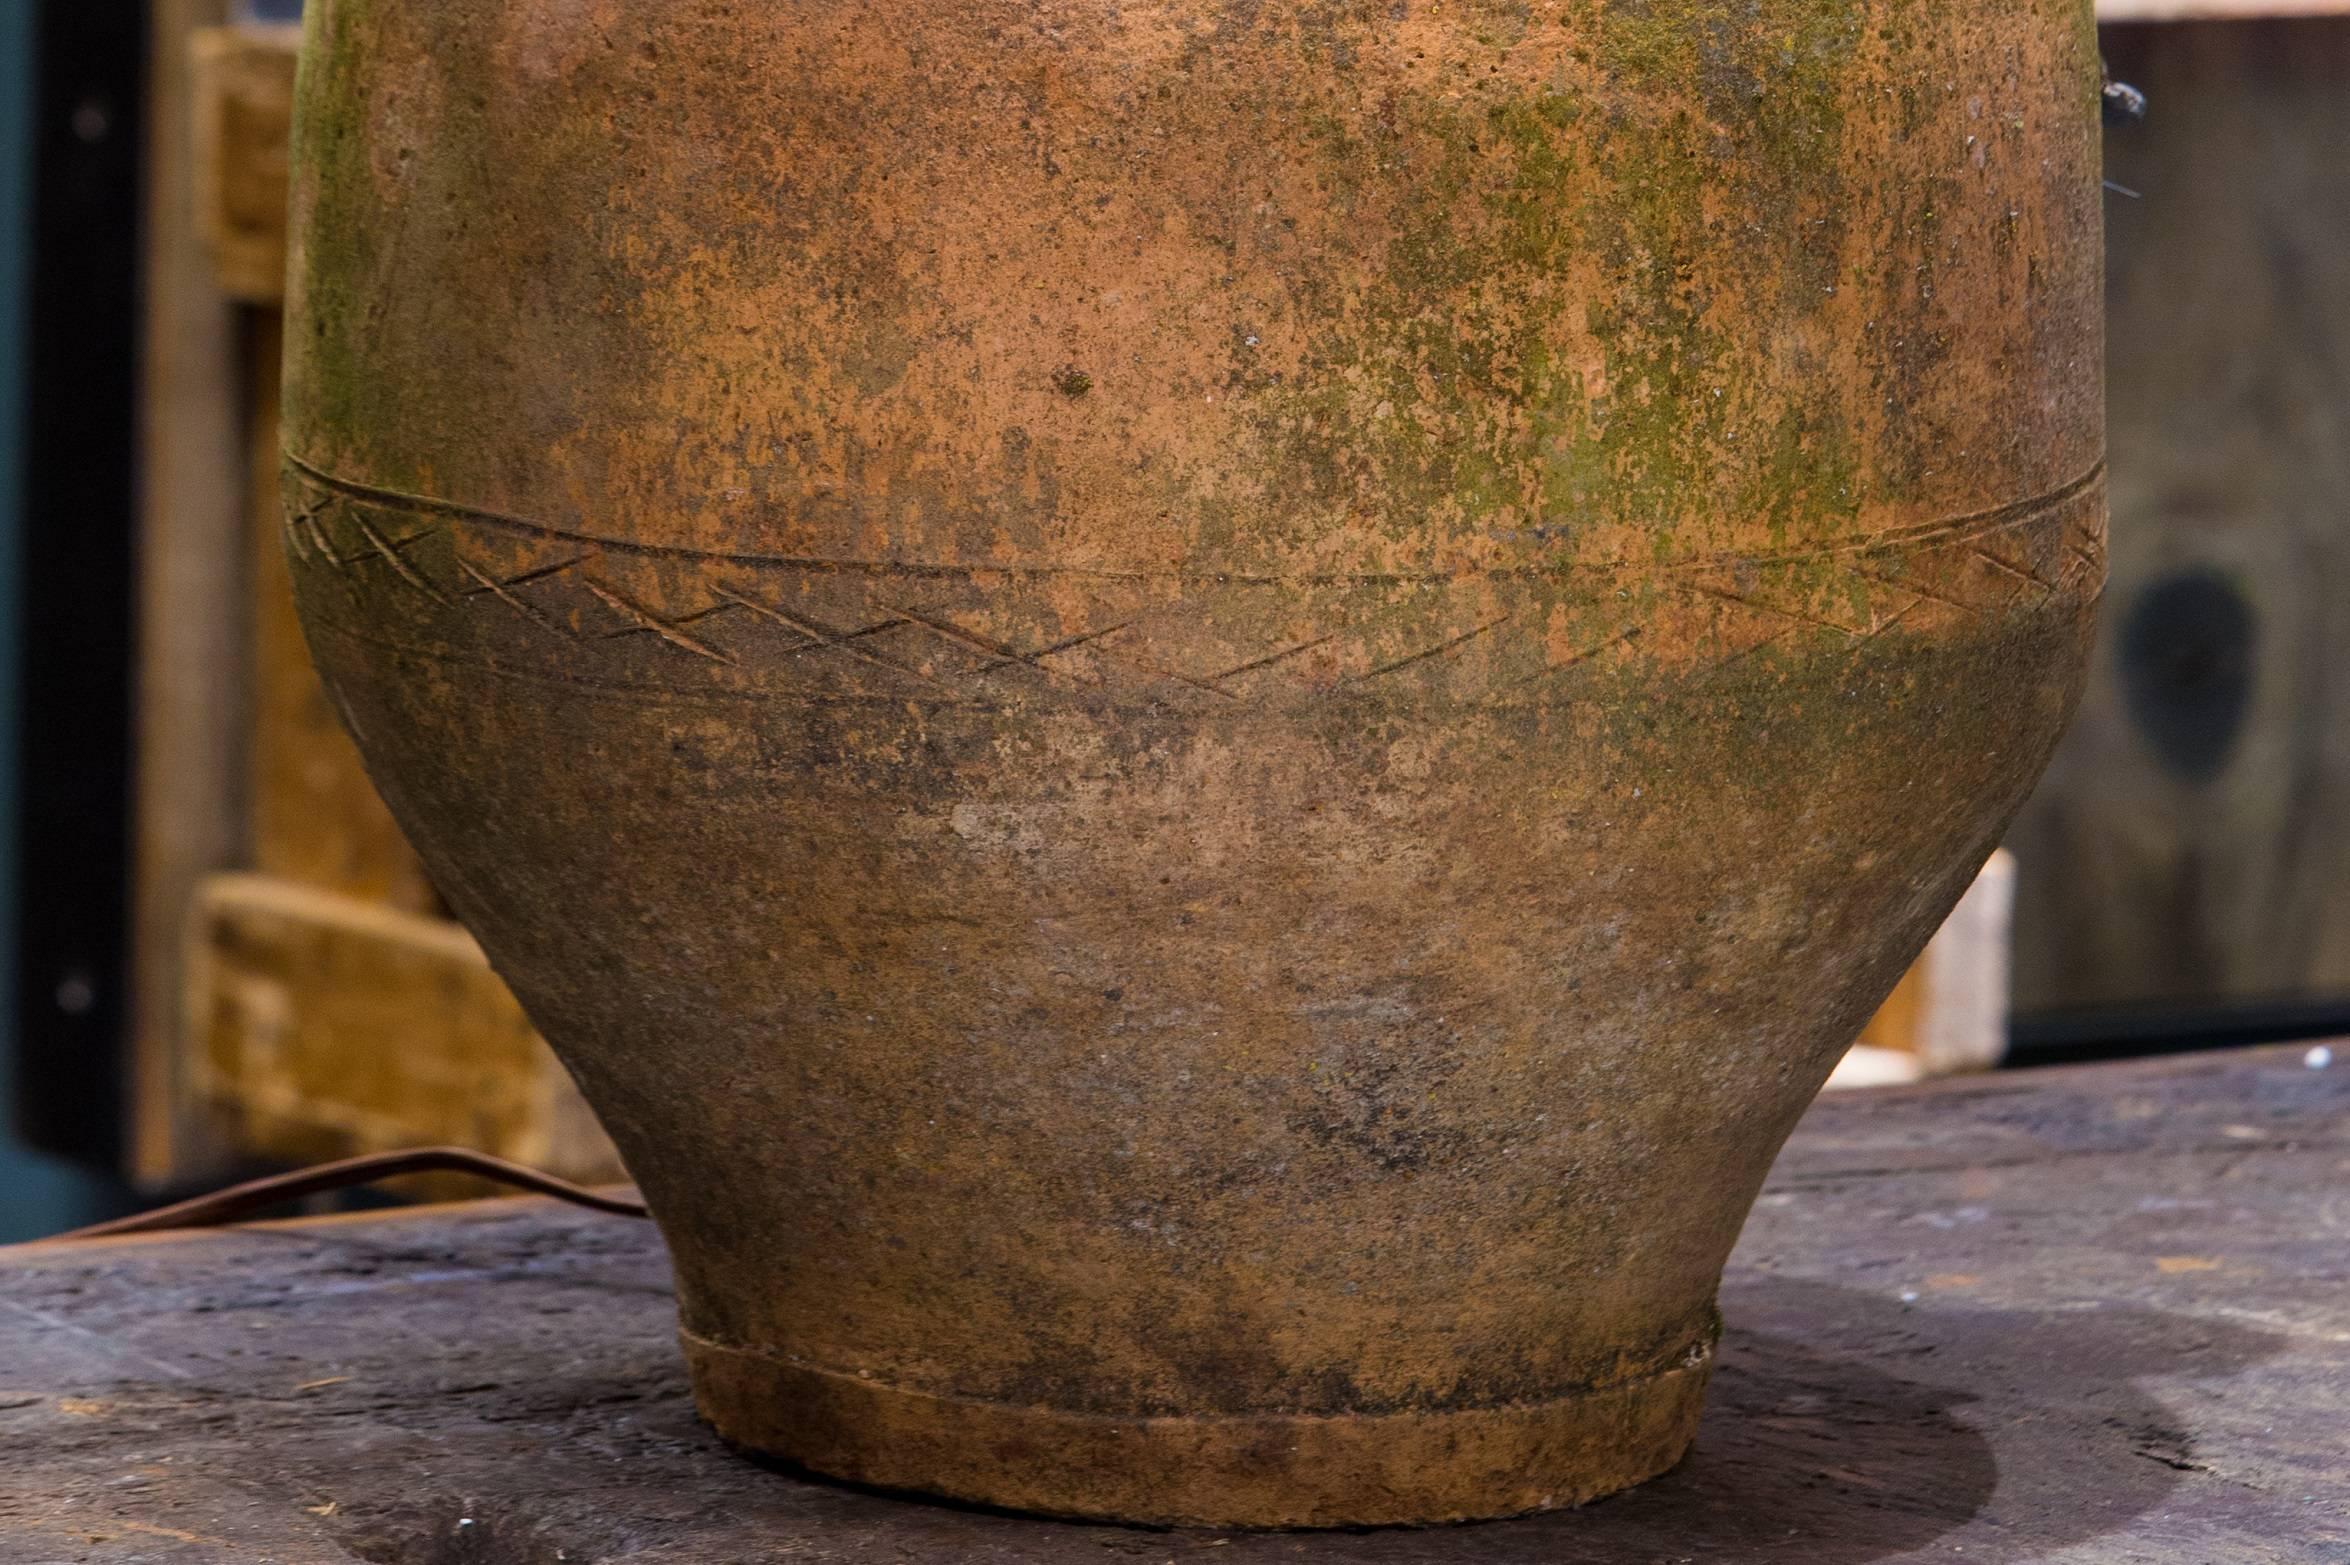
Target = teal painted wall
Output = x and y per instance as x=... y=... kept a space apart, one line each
x=38 y=1195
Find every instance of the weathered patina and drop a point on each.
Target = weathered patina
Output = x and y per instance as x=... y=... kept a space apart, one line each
x=1200 y=718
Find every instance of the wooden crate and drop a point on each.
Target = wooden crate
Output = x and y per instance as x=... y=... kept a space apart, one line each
x=324 y=1026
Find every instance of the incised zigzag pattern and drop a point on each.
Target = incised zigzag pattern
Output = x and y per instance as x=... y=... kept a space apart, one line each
x=478 y=586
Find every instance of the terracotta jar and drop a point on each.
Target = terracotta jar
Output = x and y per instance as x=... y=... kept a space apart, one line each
x=1200 y=718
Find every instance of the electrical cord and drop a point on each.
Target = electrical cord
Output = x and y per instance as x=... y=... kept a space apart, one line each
x=224 y=1206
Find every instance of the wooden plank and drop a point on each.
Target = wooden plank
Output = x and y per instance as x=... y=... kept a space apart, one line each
x=192 y=597
x=2087 y=1316
x=242 y=85
x=2191 y=843
x=326 y=1026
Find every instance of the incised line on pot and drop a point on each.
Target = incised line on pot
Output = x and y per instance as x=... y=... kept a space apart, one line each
x=1935 y=555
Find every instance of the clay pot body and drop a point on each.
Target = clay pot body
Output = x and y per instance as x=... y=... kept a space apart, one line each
x=1200 y=719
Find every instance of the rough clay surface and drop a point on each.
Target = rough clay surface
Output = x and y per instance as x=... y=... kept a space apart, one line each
x=1197 y=716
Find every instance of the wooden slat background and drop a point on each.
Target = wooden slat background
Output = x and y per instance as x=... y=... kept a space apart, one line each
x=193 y=670
x=2191 y=844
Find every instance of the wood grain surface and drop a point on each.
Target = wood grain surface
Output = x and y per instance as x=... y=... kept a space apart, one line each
x=192 y=675
x=2186 y=846
x=328 y=1026
x=2085 y=1317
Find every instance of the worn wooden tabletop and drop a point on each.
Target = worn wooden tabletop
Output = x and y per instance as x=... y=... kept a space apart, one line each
x=2089 y=1315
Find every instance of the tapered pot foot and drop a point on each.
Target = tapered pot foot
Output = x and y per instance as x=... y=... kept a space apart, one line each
x=1254 y=1470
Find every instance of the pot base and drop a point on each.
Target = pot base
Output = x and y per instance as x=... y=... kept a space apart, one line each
x=1274 y=1470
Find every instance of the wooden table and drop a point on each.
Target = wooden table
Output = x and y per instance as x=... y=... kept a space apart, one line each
x=2086 y=1315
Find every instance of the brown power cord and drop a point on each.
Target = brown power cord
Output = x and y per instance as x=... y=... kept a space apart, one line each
x=224 y=1206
